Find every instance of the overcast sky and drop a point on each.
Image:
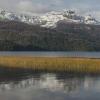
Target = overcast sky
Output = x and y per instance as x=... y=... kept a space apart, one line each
x=41 y=6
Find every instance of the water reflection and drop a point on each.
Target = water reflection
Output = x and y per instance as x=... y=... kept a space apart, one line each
x=52 y=85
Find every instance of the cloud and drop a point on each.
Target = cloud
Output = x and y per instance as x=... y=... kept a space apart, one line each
x=31 y=6
x=28 y=6
x=57 y=2
x=42 y=6
x=36 y=6
x=25 y=6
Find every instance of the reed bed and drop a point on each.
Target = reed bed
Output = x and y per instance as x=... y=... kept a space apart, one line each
x=80 y=65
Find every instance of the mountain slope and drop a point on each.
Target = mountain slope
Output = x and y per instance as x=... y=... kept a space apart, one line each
x=18 y=36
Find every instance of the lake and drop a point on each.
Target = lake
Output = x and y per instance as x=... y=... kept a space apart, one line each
x=30 y=85
x=49 y=86
x=53 y=54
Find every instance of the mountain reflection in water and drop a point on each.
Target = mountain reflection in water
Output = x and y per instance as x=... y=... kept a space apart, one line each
x=50 y=86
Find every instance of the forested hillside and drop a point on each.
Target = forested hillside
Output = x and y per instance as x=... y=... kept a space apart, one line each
x=17 y=36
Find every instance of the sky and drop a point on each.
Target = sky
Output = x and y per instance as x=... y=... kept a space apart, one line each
x=41 y=6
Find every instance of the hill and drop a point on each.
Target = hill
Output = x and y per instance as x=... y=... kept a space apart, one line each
x=18 y=36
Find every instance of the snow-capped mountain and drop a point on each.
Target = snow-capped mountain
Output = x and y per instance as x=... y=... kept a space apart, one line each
x=49 y=19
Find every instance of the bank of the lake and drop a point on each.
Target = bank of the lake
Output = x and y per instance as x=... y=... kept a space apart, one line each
x=73 y=64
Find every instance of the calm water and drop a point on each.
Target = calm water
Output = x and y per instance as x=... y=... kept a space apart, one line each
x=24 y=85
x=53 y=54
x=49 y=86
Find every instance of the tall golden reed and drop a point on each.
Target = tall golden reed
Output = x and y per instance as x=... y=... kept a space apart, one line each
x=86 y=65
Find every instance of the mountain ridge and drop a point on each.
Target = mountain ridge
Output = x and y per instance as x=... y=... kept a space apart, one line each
x=49 y=19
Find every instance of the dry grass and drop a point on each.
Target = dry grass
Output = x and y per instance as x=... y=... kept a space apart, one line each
x=52 y=64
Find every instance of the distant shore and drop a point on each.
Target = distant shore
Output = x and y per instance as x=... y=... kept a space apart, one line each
x=80 y=65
